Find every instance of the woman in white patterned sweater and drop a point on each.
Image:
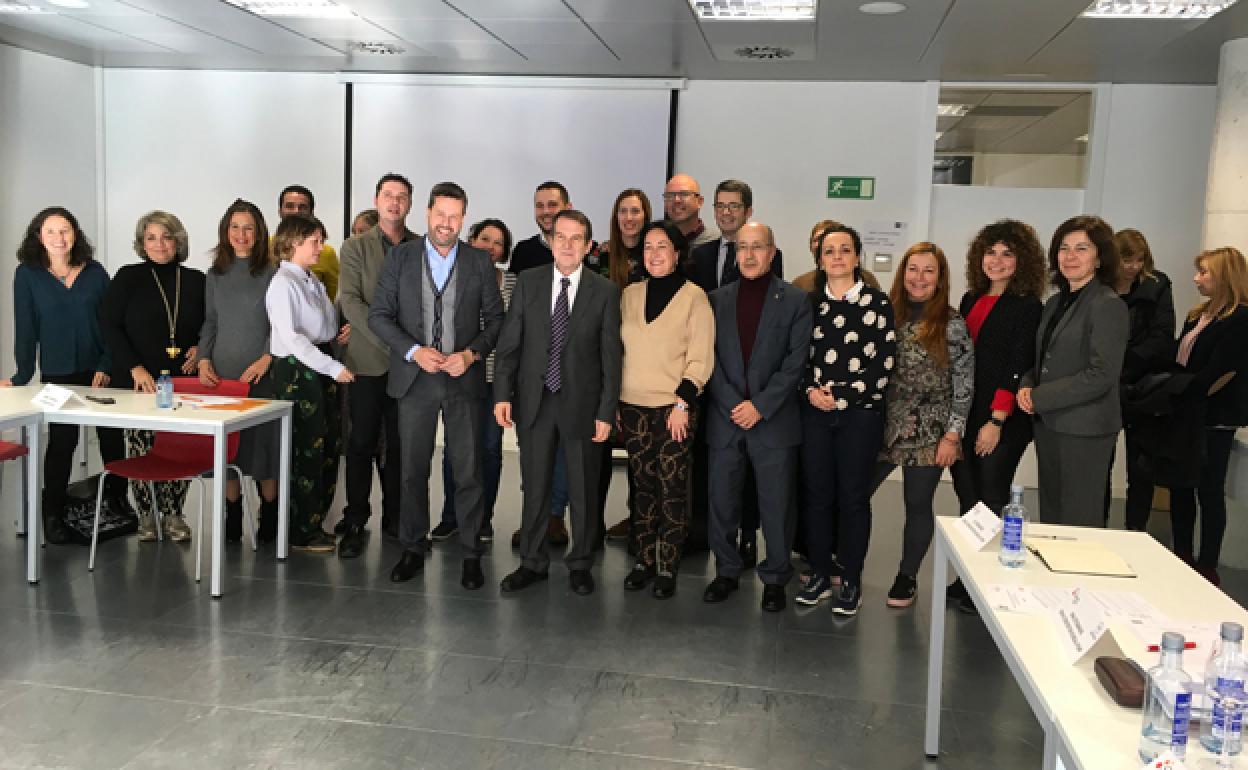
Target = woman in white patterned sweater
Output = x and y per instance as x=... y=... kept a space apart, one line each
x=852 y=351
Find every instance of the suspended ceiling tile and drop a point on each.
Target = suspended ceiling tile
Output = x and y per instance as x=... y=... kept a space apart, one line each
x=537 y=10
x=545 y=32
x=571 y=55
x=403 y=9
x=435 y=30
x=633 y=10
x=478 y=51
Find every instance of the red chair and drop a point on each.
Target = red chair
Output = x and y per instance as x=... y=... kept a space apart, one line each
x=178 y=457
x=12 y=451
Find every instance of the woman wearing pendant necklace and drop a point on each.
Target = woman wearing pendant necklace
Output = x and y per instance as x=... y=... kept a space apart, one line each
x=151 y=318
x=57 y=291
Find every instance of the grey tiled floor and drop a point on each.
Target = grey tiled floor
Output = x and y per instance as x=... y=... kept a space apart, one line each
x=325 y=663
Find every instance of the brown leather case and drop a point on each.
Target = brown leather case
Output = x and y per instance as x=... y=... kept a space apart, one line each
x=1122 y=679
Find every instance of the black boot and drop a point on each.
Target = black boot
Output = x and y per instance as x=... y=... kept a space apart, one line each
x=266 y=531
x=233 y=520
x=55 y=532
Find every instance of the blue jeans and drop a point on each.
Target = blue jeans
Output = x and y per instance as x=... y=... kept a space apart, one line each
x=491 y=467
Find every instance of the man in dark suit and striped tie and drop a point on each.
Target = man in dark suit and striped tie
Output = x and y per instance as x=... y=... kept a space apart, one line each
x=557 y=375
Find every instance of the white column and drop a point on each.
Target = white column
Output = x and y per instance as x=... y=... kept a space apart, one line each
x=1226 y=224
x=1226 y=200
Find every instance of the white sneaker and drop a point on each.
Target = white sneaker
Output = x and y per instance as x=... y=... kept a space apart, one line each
x=176 y=529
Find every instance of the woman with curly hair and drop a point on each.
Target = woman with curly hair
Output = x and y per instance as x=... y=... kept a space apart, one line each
x=1005 y=277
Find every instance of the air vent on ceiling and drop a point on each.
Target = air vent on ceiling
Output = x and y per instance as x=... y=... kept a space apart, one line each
x=376 y=49
x=763 y=52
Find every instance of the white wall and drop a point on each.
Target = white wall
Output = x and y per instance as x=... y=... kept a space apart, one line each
x=47 y=158
x=1156 y=169
x=786 y=139
x=191 y=142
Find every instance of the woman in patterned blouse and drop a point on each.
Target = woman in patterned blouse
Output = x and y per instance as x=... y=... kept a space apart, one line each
x=851 y=355
x=928 y=399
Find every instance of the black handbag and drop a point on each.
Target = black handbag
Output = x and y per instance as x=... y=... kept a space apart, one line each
x=117 y=516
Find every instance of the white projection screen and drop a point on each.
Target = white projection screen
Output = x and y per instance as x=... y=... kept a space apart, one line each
x=500 y=141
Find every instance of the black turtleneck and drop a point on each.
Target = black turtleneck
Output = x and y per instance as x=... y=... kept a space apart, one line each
x=1064 y=300
x=659 y=292
x=136 y=325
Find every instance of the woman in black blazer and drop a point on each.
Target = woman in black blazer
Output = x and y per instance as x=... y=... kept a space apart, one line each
x=1005 y=272
x=1150 y=348
x=1211 y=347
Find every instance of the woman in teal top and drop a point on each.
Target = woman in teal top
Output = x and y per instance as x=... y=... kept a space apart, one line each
x=56 y=299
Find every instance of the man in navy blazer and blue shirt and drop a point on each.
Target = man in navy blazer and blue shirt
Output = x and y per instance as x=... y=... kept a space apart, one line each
x=557 y=375
x=714 y=264
x=762 y=333
x=438 y=310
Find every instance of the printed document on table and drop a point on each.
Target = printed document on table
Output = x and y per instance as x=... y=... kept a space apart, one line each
x=1028 y=600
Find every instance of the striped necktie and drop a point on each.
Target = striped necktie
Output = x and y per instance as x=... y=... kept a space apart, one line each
x=558 y=337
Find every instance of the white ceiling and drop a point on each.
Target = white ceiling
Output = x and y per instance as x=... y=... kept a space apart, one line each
x=1016 y=122
x=948 y=40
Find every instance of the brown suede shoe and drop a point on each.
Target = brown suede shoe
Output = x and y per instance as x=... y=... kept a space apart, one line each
x=556 y=532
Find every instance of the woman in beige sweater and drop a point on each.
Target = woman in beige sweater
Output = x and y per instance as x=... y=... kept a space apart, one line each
x=669 y=349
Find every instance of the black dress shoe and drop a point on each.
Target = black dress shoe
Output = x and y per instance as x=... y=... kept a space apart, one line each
x=352 y=543
x=473 y=578
x=773 y=598
x=719 y=589
x=521 y=579
x=639 y=578
x=55 y=530
x=410 y=563
x=664 y=587
x=749 y=554
x=581 y=582
x=390 y=529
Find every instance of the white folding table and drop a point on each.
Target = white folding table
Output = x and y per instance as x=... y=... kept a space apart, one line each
x=139 y=411
x=1082 y=726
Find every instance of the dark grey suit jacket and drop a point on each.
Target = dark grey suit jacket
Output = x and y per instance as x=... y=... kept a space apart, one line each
x=395 y=313
x=592 y=355
x=776 y=365
x=1077 y=392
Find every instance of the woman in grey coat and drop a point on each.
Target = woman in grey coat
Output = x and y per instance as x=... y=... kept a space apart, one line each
x=234 y=344
x=1072 y=389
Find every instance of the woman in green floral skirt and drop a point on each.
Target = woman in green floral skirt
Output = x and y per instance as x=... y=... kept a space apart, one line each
x=304 y=322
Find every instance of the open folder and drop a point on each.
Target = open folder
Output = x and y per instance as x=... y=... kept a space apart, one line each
x=1079 y=557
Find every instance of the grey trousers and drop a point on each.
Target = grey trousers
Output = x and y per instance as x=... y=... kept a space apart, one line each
x=538 y=442
x=1072 y=472
x=775 y=471
x=419 y=409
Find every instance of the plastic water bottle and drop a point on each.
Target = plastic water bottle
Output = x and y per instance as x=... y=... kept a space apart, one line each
x=1014 y=520
x=164 y=390
x=1225 y=673
x=1167 y=703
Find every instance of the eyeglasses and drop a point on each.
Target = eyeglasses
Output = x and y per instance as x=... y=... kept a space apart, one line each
x=733 y=207
x=679 y=195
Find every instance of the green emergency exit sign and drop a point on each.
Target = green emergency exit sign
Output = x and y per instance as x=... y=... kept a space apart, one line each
x=853 y=187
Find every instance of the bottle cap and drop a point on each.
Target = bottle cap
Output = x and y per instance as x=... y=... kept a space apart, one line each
x=1016 y=489
x=1172 y=641
x=164 y=372
x=1232 y=632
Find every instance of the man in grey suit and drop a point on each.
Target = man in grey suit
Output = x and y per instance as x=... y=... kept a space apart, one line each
x=762 y=333
x=371 y=407
x=438 y=309
x=557 y=374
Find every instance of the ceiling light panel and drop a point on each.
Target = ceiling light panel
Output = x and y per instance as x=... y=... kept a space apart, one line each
x=20 y=8
x=952 y=110
x=298 y=9
x=1181 y=10
x=754 y=10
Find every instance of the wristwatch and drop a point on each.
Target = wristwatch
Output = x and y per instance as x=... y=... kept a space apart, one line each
x=681 y=406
